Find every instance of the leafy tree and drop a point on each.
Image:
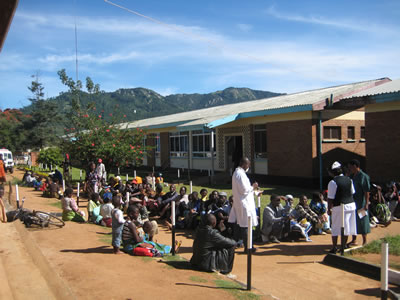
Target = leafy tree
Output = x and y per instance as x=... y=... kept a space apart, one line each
x=92 y=134
x=12 y=135
x=39 y=127
x=50 y=156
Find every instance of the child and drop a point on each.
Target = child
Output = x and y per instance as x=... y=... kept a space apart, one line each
x=70 y=209
x=117 y=224
x=94 y=209
x=105 y=211
x=3 y=211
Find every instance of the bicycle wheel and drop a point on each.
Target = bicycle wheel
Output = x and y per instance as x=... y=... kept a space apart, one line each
x=51 y=219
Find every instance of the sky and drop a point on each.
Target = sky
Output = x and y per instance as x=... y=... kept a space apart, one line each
x=179 y=46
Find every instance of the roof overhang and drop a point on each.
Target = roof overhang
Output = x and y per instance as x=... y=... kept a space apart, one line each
x=7 y=11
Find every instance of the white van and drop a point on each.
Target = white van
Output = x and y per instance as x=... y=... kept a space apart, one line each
x=8 y=160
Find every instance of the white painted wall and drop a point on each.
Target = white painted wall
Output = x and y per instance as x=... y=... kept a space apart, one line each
x=261 y=166
x=179 y=162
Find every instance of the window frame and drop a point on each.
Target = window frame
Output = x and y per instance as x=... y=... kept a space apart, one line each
x=180 y=142
x=257 y=132
x=331 y=138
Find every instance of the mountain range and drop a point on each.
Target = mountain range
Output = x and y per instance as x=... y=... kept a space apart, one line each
x=140 y=103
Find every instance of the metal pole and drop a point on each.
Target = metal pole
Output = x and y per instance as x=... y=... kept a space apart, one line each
x=77 y=194
x=342 y=232
x=384 y=270
x=173 y=226
x=212 y=156
x=134 y=174
x=249 y=251
x=320 y=149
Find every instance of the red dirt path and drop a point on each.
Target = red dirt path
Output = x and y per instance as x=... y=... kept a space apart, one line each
x=286 y=271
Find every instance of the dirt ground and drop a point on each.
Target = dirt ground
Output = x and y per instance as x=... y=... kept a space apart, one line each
x=81 y=256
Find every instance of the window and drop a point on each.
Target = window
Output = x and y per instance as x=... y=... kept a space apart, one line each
x=179 y=144
x=158 y=144
x=260 y=141
x=201 y=144
x=351 y=133
x=362 y=133
x=332 y=132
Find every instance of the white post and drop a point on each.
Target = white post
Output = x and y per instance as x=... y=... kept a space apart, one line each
x=127 y=197
x=191 y=186
x=179 y=173
x=80 y=174
x=153 y=179
x=63 y=185
x=249 y=233
x=51 y=167
x=16 y=192
x=173 y=213
x=46 y=167
x=342 y=206
x=134 y=174
x=118 y=170
x=259 y=202
x=56 y=167
x=77 y=192
x=96 y=188
x=127 y=178
x=384 y=270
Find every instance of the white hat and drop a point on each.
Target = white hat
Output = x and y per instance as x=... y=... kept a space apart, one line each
x=119 y=178
x=336 y=165
x=289 y=197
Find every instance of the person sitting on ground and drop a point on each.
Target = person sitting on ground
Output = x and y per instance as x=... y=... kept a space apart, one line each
x=378 y=210
x=392 y=199
x=212 y=251
x=93 y=209
x=213 y=198
x=105 y=210
x=203 y=195
x=28 y=179
x=219 y=210
x=320 y=207
x=192 y=214
x=117 y=224
x=273 y=220
x=70 y=209
x=133 y=241
x=303 y=211
x=294 y=226
x=150 y=229
x=2 y=208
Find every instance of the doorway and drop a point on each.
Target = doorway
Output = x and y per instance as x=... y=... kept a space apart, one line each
x=234 y=151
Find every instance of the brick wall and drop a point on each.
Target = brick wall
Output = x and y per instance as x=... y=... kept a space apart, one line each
x=345 y=150
x=289 y=148
x=164 y=144
x=383 y=145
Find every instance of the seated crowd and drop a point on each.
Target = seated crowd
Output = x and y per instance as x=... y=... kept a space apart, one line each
x=143 y=202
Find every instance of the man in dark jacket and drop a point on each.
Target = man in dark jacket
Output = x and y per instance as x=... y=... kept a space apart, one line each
x=211 y=250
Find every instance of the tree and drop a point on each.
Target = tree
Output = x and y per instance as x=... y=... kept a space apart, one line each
x=90 y=136
x=12 y=135
x=39 y=127
x=50 y=156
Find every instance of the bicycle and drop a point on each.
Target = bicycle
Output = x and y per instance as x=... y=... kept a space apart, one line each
x=38 y=218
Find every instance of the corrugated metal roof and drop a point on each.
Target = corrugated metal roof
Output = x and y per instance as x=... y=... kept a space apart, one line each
x=385 y=88
x=282 y=104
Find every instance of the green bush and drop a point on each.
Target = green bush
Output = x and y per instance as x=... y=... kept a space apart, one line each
x=50 y=156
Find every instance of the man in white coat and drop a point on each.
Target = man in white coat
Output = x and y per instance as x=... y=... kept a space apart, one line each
x=243 y=199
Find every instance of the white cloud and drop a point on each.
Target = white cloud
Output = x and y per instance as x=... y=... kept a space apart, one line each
x=346 y=24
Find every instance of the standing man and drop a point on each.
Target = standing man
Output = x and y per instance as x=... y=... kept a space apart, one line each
x=361 y=197
x=243 y=199
x=340 y=191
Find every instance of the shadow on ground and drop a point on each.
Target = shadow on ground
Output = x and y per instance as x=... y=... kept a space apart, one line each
x=101 y=250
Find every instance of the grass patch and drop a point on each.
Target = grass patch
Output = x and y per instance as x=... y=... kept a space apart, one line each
x=15 y=181
x=375 y=246
x=146 y=258
x=235 y=289
x=106 y=239
x=56 y=204
x=197 y=279
x=173 y=258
